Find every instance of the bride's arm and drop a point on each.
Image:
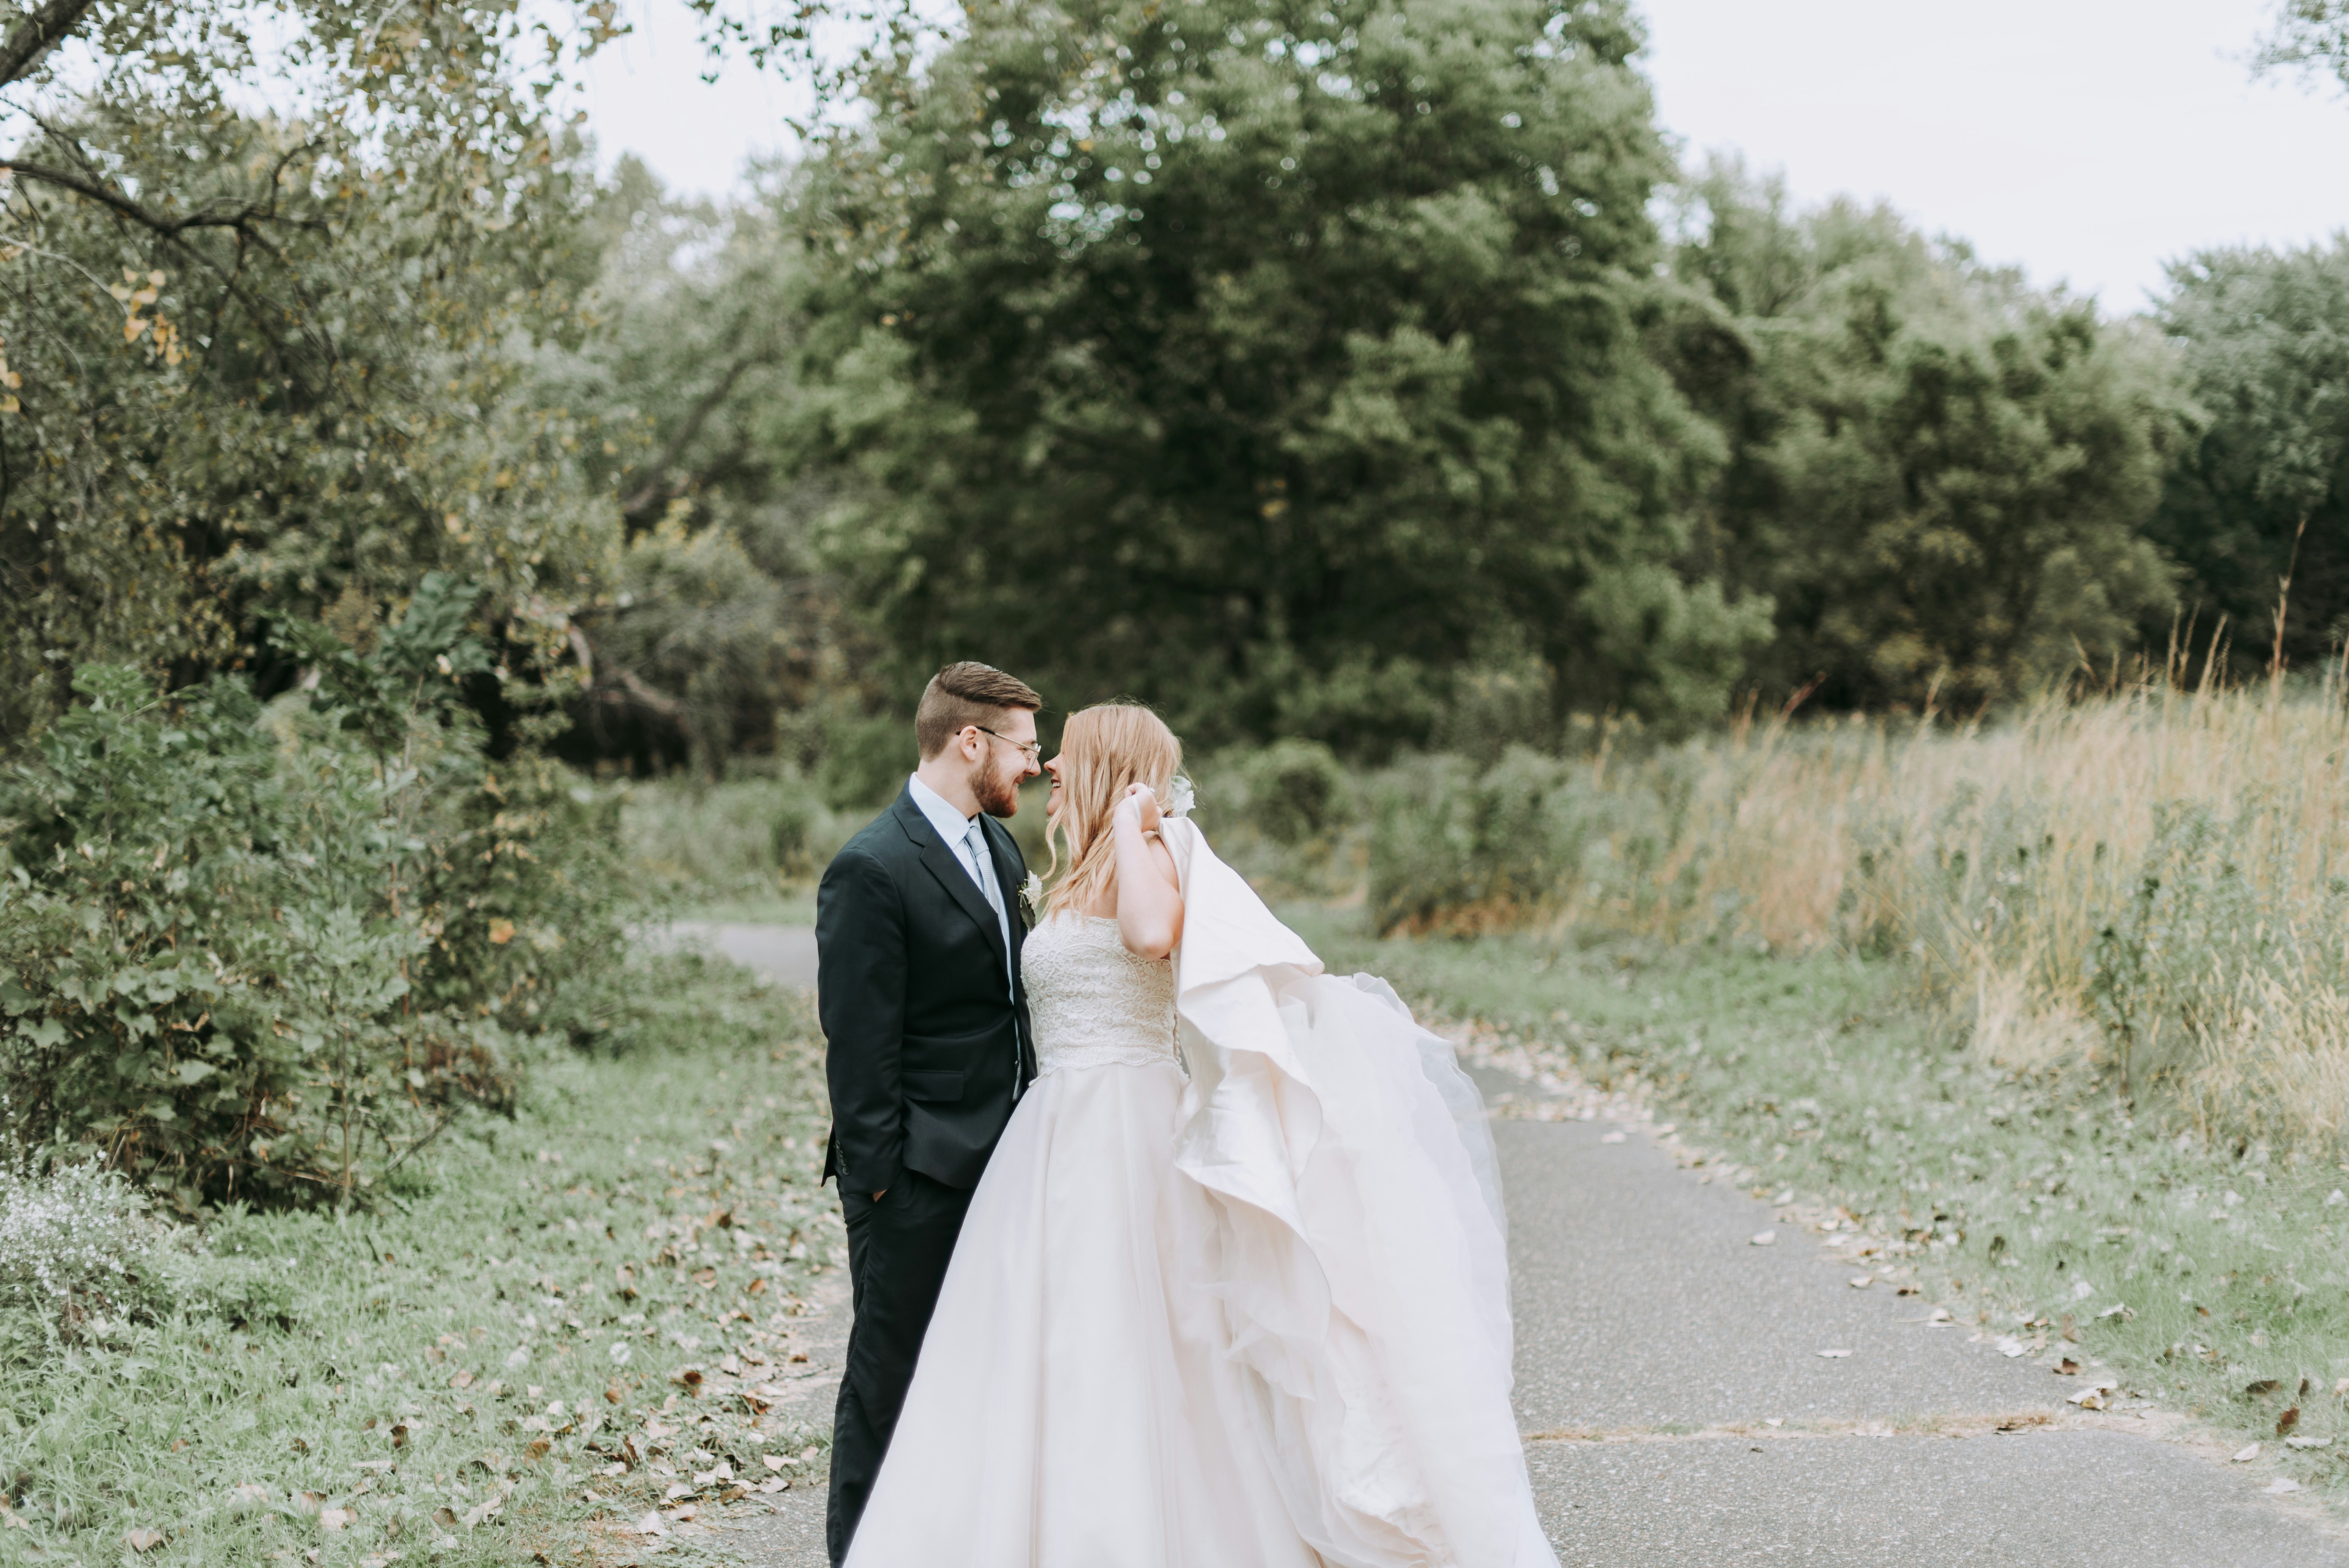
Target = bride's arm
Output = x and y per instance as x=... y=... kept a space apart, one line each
x=1149 y=898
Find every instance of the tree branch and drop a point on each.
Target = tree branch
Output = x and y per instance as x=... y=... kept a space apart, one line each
x=646 y=503
x=38 y=35
x=203 y=218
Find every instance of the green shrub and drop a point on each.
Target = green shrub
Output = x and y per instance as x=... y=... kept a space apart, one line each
x=746 y=836
x=264 y=957
x=858 y=761
x=1292 y=791
x=1450 y=845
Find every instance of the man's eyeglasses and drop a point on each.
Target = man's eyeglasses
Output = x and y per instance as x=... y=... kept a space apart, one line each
x=1033 y=750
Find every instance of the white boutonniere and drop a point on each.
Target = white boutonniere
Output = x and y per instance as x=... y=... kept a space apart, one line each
x=1031 y=899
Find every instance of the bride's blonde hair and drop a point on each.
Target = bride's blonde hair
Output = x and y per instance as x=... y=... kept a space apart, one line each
x=1103 y=748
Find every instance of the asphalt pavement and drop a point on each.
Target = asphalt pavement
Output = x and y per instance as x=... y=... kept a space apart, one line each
x=1690 y=1397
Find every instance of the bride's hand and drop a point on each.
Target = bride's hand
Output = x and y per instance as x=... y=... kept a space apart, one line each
x=1144 y=803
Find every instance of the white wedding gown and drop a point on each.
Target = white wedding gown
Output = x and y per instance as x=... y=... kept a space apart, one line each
x=1255 y=1317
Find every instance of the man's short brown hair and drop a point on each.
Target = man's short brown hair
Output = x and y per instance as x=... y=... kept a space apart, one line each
x=967 y=694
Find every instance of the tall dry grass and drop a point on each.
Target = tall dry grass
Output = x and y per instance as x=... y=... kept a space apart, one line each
x=2153 y=884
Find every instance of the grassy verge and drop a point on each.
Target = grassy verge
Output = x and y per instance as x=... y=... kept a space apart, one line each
x=559 y=1328
x=2209 y=1279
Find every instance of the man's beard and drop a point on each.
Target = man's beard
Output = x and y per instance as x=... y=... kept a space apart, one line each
x=998 y=796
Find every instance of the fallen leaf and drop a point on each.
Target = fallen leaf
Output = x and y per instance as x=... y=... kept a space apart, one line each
x=445 y=1517
x=249 y=1495
x=2308 y=1442
x=1611 y=1138
x=2281 y=1486
x=1833 y=1354
x=774 y=1484
x=309 y=1502
x=689 y=1376
x=773 y=1462
x=462 y=1380
x=1861 y=1282
x=486 y=1511
x=2067 y=1368
x=2011 y=1347
x=2250 y=1452
x=2260 y=1388
x=334 y=1518
x=142 y=1540
x=2288 y=1420
x=650 y=1524
x=1764 y=1238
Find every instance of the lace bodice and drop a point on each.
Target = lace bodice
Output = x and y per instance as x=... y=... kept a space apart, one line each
x=1092 y=1001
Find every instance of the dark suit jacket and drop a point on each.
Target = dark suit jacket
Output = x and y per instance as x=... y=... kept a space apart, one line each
x=927 y=1045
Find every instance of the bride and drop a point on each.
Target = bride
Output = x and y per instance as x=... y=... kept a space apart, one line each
x=1232 y=1292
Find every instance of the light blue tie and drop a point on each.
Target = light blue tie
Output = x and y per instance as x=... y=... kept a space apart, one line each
x=982 y=866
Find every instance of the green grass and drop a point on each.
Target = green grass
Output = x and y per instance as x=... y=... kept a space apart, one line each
x=2030 y=1206
x=480 y=1347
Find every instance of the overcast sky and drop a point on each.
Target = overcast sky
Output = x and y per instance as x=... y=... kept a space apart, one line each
x=2090 y=140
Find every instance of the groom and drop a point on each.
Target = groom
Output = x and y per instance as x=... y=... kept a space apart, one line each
x=917 y=932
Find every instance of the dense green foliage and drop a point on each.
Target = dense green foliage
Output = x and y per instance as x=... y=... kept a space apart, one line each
x=265 y=956
x=1940 y=478
x=2264 y=491
x=272 y=363
x=1273 y=362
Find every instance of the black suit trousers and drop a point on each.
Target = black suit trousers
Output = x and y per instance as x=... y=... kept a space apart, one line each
x=897 y=1253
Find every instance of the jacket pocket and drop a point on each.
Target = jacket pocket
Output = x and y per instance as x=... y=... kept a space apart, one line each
x=931 y=1086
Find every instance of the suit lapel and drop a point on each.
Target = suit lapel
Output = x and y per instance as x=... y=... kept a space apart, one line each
x=947 y=866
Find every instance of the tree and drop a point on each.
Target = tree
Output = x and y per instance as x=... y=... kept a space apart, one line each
x=1274 y=361
x=1939 y=477
x=718 y=617
x=2263 y=492
x=264 y=362
x=2309 y=35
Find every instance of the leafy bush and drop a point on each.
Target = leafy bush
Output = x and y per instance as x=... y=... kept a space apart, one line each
x=746 y=836
x=1453 y=846
x=265 y=956
x=1291 y=791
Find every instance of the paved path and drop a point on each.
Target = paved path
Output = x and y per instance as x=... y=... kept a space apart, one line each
x=1678 y=1411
